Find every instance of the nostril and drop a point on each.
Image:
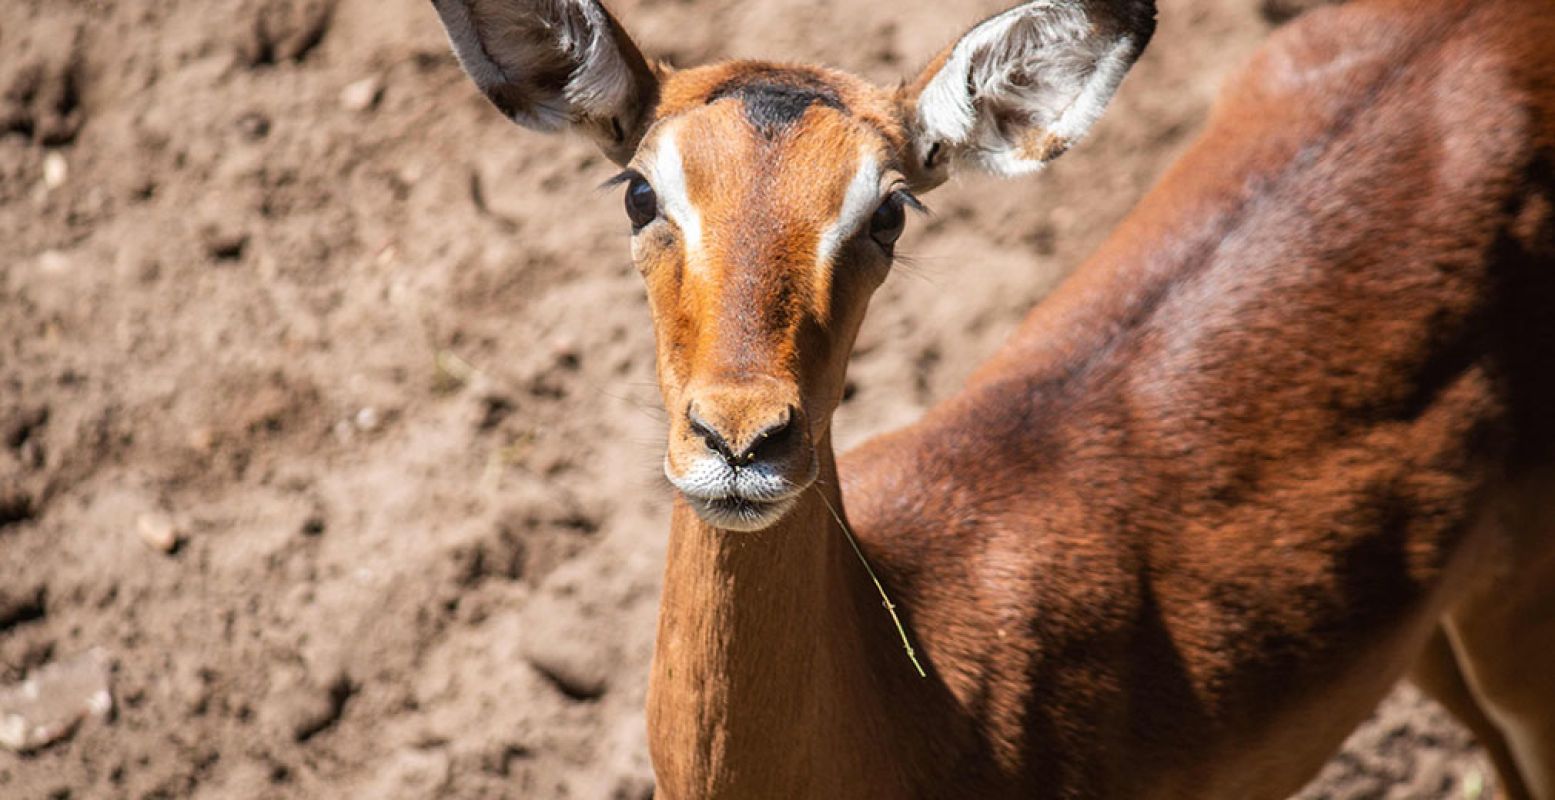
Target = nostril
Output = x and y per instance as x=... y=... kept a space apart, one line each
x=765 y=443
x=773 y=432
x=770 y=438
x=714 y=440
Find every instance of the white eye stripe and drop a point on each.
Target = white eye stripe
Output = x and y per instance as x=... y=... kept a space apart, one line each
x=857 y=205
x=666 y=173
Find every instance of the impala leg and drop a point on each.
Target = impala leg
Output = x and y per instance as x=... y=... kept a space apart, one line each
x=1504 y=635
x=1437 y=674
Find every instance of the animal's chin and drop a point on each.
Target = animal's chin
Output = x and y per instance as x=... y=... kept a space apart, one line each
x=739 y=514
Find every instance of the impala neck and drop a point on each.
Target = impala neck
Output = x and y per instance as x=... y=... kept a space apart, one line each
x=777 y=672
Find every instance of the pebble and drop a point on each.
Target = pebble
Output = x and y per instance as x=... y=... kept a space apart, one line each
x=368 y=419
x=303 y=710
x=361 y=95
x=158 y=532
x=224 y=245
x=573 y=667
x=254 y=126
x=55 y=170
x=202 y=439
x=22 y=603
x=53 y=262
x=51 y=703
x=565 y=352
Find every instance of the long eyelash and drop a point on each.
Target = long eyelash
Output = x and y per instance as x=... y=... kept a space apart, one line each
x=910 y=265
x=624 y=176
x=911 y=201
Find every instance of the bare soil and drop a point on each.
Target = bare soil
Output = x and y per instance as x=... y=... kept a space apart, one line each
x=327 y=406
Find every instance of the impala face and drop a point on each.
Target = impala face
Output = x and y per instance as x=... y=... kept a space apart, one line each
x=766 y=200
x=765 y=204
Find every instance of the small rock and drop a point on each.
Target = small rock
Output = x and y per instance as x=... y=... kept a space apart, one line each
x=55 y=170
x=54 y=262
x=573 y=668
x=158 y=531
x=368 y=419
x=202 y=439
x=254 y=126
x=50 y=704
x=224 y=245
x=565 y=352
x=361 y=95
x=306 y=709
x=20 y=604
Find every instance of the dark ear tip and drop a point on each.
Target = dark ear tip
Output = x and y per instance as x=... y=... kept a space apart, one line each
x=1136 y=18
x=1141 y=17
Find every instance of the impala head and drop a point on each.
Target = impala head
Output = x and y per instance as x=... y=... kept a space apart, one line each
x=765 y=200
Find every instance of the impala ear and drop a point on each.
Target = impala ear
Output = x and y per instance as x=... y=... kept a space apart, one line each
x=550 y=64
x=1022 y=87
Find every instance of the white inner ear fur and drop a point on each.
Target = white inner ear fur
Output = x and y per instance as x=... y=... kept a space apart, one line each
x=602 y=85
x=1041 y=65
x=858 y=204
x=666 y=173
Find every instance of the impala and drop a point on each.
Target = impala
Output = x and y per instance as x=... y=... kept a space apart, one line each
x=1285 y=439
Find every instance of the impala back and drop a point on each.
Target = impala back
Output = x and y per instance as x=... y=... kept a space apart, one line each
x=1258 y=440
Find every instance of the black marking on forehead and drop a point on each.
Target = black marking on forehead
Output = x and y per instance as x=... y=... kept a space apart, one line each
x=774 y=99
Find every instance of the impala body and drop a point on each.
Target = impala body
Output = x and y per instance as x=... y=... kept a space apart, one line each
x=1285 y=439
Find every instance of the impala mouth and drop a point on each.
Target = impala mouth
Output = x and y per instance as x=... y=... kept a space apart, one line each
x=736 y=513
x=741 y=499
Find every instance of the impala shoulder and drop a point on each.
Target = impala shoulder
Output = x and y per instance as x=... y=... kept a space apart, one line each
x=1322 y=52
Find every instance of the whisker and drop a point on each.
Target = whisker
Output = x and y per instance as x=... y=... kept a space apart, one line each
x=912 y=266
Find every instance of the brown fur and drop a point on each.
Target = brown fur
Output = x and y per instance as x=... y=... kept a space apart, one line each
x=1221 y=487
x=1284 y=439
x=1213 y=499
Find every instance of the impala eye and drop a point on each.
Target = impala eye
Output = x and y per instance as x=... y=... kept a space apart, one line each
x=642 y=205
x=885 y=227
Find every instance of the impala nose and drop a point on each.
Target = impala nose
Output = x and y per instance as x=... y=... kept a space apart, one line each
x=741 y=443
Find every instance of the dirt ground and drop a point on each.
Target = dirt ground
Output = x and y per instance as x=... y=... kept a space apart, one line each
x=327 y=408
